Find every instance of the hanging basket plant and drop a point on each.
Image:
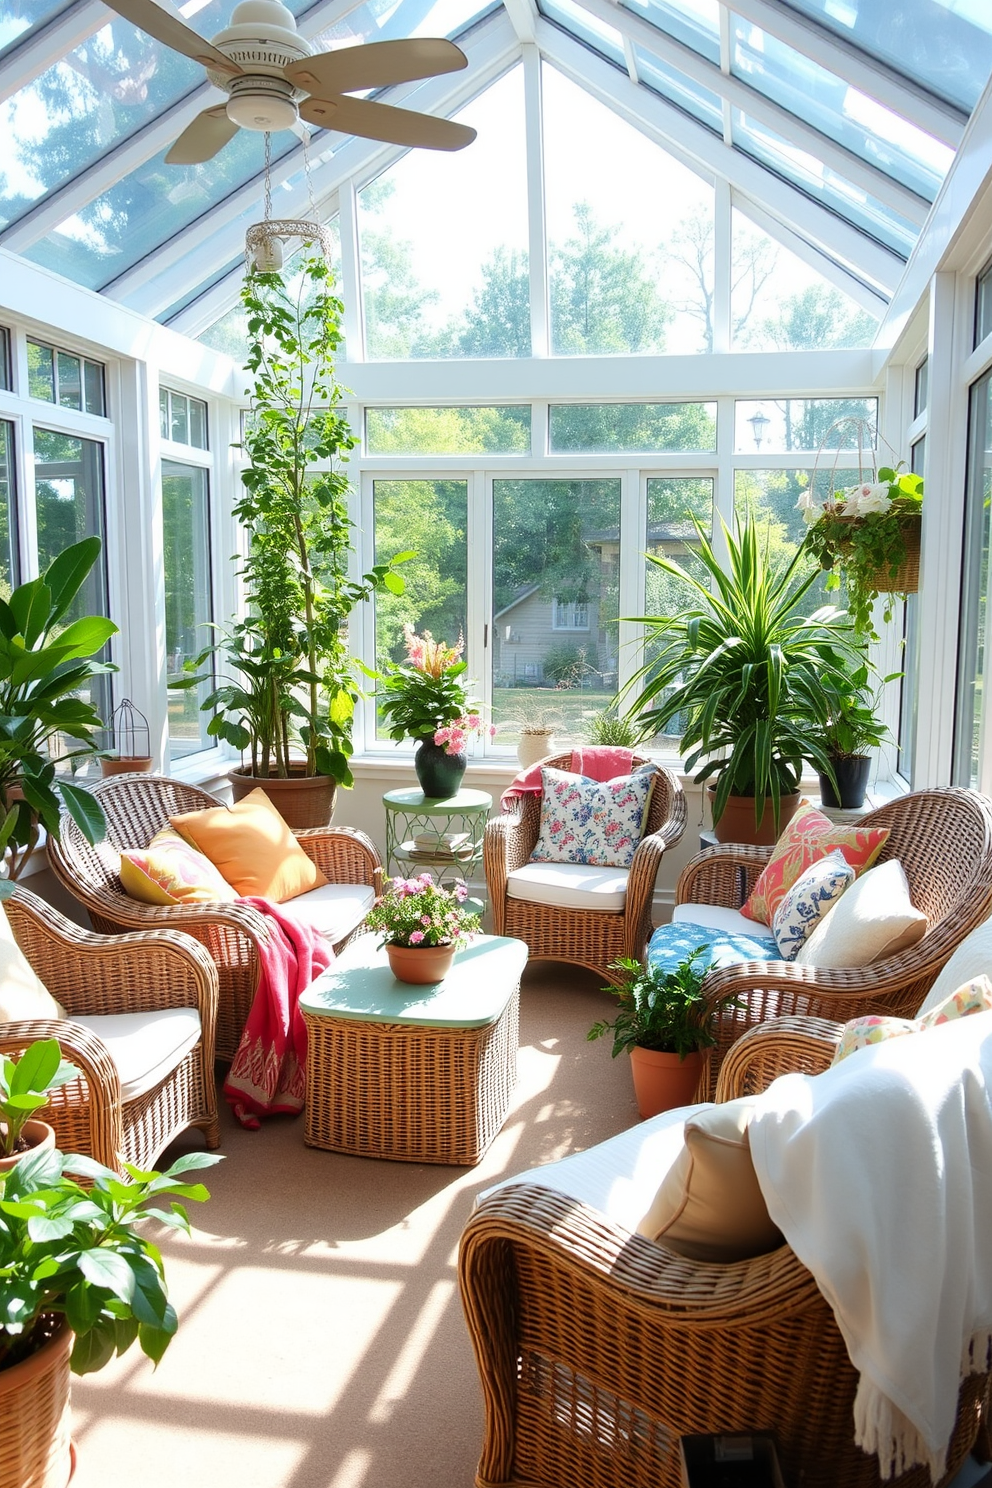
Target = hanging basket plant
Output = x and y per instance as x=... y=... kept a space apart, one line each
x=868 y=532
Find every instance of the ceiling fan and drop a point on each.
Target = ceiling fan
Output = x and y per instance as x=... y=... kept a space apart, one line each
x=273 y=79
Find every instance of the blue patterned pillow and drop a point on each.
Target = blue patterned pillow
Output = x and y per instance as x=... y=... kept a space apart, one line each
x=813 y=894
x=672 y=944
x=592 y=821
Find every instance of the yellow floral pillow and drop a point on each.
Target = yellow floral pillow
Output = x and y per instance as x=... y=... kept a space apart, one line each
x=808 y=837
x=974 y=997
x=169 y=871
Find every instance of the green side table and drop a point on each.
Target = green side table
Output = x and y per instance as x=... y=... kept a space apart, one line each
x=443 y=837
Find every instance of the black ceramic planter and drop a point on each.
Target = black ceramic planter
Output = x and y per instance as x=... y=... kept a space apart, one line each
x=852 y=773
x=440 y=774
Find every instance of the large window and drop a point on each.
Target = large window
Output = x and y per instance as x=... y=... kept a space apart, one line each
x=8 y=510
x=64 y=378
x=188 y=606
x=182 y=420
x=970 y=741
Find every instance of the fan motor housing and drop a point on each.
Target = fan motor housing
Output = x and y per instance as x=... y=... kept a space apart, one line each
x=262 y=103
x=262 y=39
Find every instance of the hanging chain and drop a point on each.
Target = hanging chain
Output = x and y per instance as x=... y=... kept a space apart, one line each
x=268 y=175
x=307 y=172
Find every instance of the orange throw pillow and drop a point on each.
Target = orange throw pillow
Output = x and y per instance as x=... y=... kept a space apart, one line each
x=252 y=847
x=809 y=836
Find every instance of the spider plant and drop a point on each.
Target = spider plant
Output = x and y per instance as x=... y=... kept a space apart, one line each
x=746 y=667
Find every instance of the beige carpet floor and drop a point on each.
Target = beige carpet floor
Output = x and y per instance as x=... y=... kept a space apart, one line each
x=321 y=1342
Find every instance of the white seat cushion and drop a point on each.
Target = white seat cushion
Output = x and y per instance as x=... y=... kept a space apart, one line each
x=333 y=909
x=972 y=958
x=570 y=886
x=146 y=1047
x=715 y=917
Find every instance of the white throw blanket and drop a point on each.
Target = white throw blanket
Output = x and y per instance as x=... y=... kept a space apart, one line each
x=879 y=1174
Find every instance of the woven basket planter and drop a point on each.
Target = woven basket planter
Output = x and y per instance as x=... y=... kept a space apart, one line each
x=905 y=579
x=302 y=800
x=34 y=1415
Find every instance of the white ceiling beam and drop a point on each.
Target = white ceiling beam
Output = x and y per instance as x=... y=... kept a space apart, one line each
x=523 y=16
x=869 y=299
x=43 y=46
x=162 y=276
x=705 y=153
x=859 y=172
x=896 y=90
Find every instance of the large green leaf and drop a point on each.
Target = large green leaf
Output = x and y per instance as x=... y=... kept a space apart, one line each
x=36 y=1066
x=85 y=810
x=103 y=1267
x=85 y=637
x=66 y=573
x=31 y=605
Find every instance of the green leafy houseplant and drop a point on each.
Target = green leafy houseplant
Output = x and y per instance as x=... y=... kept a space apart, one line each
x=25 y=1085
x=45 y=663
x=424 y=695
x=661 y=1010
x=746 y=668
x=852 y=726
x=609 y=728
x=76 y=1252
x=297 y=684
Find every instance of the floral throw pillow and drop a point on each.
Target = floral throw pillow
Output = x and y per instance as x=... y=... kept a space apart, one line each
x=973 y=997
x=169 y=871
x=809 y=836
x=596 y=822
x=814 y=892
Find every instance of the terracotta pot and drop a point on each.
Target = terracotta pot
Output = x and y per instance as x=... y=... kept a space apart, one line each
x=38 y=1134
x=301 y=800
x=852 y=773
x=535 y=744
x=128 y=764
x=34 y=1414
x=420 y=965
x=663 y=1081
x=737 y=822
x=440 y=774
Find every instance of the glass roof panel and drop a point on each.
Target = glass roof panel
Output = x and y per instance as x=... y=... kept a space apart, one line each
x=587 y=28
x=944 y=44
x=384 y=20
x=695 y=22
x=674 y=86
x=825 y=185
x=149 y=206
x=18 y=17
x=839 y=111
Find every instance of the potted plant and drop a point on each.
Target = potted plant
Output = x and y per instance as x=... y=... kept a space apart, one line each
x=25 y=1085
x=46 y=665
x=424 y=698
x=851 y=730
x=663 y=1023
x=609 y=728
x=870 y=532
x=81 y=1283
x=423 y=924
x=745 y=666
x=291 y=701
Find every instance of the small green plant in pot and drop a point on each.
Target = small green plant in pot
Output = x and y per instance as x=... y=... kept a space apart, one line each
x=25 y=1085
x=851 y=731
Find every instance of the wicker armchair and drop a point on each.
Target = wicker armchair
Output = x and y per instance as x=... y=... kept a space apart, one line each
x=943 y=838
x=598 y=1349
x=587 y=937
x=138 y=806
x=93 y=975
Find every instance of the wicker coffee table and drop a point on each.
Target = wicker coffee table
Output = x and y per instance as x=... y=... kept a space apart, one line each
x=418 y=1074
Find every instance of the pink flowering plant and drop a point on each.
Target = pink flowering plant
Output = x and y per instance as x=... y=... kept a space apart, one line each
x=425 y=697
x=420 y=912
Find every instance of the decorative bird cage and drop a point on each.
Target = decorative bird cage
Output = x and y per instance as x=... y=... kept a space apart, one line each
x=130 y=741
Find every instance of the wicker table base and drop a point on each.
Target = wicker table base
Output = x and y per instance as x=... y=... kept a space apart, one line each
x=416 y=1074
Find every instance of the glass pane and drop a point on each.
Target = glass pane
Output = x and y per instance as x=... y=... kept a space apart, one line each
x=695 y=22
x=17 y=20
x=805 y=424
x=164 y=416
x=588 y=28
x=180 y=419
x=41 y=372
x=188 y=604
x=683 y=91
x=921 y=390
x=69 y=505
x=444 y=242
x=5 y=379
x=429 y=516
x=555 y=602
x=93 y=388
x=909 y=687
x=769 y=497
x=598 y=428
x=9 y=565
x=197 y=423
x=779 y=303
x=447 y=431
x=823 y=184
x=670 y=534
x=970 y=708
x=821 y=98
x=983 y=308
x=944 y=44
x=70 y=386
x=379 y=21
x=623 y=276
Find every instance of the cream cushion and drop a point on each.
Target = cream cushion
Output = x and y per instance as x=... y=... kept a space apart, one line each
x=709 y=1206
x=875 y=918
x=569 y=886
x=145 y=1047
x=22 y=993
x=333 y=909
x=972 y=958
x=715 y=917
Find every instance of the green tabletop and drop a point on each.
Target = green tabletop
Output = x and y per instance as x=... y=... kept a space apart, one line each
x=413 y=799
x=360 y=986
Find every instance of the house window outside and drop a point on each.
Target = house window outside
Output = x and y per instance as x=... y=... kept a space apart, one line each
x=188 y=598
x=9 y=567
x=67 y=379
x=969 y=733
x=182 y=420
x=570 y=614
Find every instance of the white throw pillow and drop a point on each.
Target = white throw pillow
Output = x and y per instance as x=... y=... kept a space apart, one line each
x=812 y=896
x=972 y=958
x=875 y=918
x=22 y=993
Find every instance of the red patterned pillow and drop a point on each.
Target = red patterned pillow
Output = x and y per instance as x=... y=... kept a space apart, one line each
x=809 y=836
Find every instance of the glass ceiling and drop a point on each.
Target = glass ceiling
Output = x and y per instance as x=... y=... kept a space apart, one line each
x=734 y=85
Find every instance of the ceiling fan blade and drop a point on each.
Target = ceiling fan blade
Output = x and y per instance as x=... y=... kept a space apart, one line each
x=380 y=121
x=375 y=65
x=200 y=141
x=167 y=26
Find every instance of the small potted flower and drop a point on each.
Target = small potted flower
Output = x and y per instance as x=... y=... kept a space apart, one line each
x=422 y=924
x=424 y=698
x=871 y=532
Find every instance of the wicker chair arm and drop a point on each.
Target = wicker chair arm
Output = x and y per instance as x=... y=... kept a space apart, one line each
x=673 y=826
x=781 y=1046
x=723 y=875
x=344 y=855
x=195 y=918
x=98 y=1091
x=640 y=889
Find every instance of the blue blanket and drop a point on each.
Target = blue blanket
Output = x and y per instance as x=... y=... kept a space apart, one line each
x=671 y=944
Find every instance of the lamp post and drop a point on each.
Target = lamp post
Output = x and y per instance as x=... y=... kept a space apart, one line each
x=759 y=423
